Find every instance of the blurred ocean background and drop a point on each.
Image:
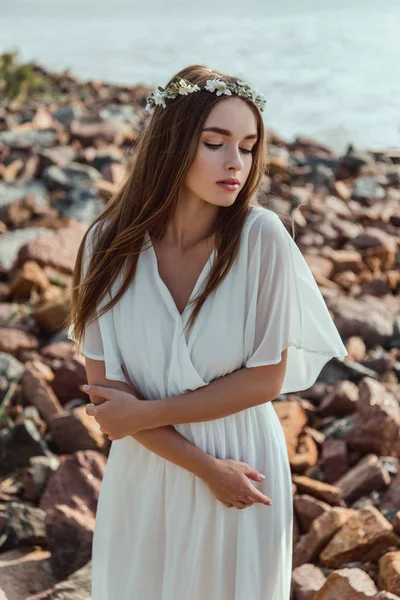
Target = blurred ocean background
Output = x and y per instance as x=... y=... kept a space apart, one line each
x=329 y=68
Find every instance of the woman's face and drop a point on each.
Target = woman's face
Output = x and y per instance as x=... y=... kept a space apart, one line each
x=227 y=153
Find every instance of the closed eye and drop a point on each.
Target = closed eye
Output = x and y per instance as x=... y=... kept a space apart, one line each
x=215 y=146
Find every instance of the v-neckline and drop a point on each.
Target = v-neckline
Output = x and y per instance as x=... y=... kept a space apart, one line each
x=165 y=292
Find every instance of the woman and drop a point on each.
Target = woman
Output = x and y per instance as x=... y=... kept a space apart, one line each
x=212 y=313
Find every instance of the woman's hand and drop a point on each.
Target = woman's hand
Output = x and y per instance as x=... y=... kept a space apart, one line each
x=121 y=414
x=230 y=483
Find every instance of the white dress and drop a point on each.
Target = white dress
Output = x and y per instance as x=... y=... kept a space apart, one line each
x=160 y=533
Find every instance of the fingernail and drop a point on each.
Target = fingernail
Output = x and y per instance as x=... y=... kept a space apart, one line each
x=262 y=476
x=86 y=387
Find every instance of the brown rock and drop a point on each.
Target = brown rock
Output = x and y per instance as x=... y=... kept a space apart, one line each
x=391 y=498
x=368 y=475
x=77 y=481
x=335 y=460
x=38 y=393
x=389 y=572
x=347 y=584
x=319 y=265
x=68 y=377
x=321 y=531
x=306 y=581
x=57 y=249
x=396 y=523
x=319 y=489
x=341 y=401
x=308 y=509
x=292 y=418
x=365 y=536
x=25 y=571
x=28 y=278
x=362 y=317
x=15 y=341
x=306 y=455
x=376 y=425
x=73 y=431
x=356 y=348
x=70 y=535
x=344 y=259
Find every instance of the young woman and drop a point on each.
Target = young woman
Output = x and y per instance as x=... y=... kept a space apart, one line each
x=194 y=309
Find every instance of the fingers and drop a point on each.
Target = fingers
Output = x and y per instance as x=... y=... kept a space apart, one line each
x=255 y=475
x=260 y=497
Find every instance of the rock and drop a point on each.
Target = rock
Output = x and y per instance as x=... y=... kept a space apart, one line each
x=365 y=536
x=15 y=341
x=366 y=188
x=335 y=460
x=68 y=377
x=11 y=371
x=344 y=260
x=77 y=431
x=12 y=241
x=306 y=455
x=40 y=394
x=292 y=418
x=396 y=522
x=356 y=348
x=358 y=317
x=368 y=475
x=19 y=445
x=84 y=205
x=70 y=535
x=341 y=401
x=76 y=482
x=24 y=525
x=25 y=571
x=306 y=581
x=72 y=175
x=307 y=509
x=389 y=572
x=29 y=277
x=76 y=587
x=321 y=531
x=391 y=497
x=319 y=489
x=36 y=476
x=347 y=584
x=57 y=249
x=376 y=425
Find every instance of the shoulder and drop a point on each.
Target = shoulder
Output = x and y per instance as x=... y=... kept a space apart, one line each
x=264 y=227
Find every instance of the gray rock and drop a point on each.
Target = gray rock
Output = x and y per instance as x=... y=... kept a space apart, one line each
x=12 y=241
x=18 y=445
x=76 y=587
x=24 y=525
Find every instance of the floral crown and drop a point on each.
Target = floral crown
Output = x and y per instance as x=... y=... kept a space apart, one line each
x=184 y=87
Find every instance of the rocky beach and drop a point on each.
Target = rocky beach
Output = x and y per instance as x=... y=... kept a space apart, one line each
x=64 y=144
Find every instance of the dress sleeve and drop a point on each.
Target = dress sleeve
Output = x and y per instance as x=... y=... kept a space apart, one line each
x=286 y=307
x=99 y=340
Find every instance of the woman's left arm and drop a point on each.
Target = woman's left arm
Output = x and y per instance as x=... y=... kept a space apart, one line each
x=224 y=396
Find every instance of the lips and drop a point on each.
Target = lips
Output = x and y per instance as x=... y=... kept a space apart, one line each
x=230 y=180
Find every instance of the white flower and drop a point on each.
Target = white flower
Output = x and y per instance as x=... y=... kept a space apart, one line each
x=159 y=98
x=186 y=88
x=220 y=86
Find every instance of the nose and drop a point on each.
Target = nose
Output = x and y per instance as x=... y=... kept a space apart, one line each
x=235 y=160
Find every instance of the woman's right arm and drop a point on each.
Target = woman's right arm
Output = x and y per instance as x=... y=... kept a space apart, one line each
x=228 y=479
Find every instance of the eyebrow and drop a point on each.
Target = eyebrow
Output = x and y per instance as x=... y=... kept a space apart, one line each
x=228 y=133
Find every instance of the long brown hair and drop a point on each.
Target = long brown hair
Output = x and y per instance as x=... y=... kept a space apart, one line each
x=147 y=198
